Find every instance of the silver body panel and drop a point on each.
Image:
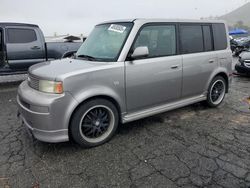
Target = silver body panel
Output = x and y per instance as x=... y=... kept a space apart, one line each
x=43 y=115
x=155 y=78
x=140 y=88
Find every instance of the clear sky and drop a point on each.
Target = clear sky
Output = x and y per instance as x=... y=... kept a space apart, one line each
x=80 y=16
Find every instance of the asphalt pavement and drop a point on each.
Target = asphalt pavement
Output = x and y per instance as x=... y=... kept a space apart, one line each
x=194 y=146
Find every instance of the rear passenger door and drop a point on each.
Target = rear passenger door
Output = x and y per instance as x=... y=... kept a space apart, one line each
x=199 y=58
x=24 y=47
x=156 y=79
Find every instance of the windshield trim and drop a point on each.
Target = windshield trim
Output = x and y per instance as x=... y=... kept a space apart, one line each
x=125 y=40
x=115 y=59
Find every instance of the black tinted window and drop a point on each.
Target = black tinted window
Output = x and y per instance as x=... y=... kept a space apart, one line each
x=21 y=35
x=220 y=36
x=0 y=40
x=160 y=40
x=191 y=38
x=208 y=44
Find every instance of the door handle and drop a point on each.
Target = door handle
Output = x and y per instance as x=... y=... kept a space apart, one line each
x=174 y=66
x=211 y=61
x=35 y=48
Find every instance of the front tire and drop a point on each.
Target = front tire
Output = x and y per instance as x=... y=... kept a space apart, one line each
x=94 y=123
x=216 y=92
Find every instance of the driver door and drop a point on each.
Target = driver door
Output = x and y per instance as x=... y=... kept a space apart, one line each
x=156 y=79
x=24 y=47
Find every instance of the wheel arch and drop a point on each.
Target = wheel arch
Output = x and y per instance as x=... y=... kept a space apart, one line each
x=224 y=75
x=101 y=96
x=221 y=73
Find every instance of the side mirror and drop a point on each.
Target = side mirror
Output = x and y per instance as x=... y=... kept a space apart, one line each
x=140 y=52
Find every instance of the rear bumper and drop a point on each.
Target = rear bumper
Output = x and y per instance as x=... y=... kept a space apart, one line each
x=46 y=116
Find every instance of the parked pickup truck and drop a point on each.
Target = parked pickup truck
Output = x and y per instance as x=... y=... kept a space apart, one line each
x=22 y=45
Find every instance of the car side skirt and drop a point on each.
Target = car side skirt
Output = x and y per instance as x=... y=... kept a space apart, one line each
x=162 y=108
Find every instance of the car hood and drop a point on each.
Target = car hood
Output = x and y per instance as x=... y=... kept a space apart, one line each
x=60 y=69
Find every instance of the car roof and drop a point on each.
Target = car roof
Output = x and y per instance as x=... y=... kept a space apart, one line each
x=160 y=20
x=5 y=24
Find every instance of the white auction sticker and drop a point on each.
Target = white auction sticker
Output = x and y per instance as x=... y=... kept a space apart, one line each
x=117 y=28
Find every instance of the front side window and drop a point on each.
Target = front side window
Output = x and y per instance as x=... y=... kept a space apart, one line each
x=105 y=42
x=191 y=39
x=19 y=35
x=160 y=40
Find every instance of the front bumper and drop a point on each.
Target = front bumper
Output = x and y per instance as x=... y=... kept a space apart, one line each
x=46 y=136
x=46 y=116
x=242 y=69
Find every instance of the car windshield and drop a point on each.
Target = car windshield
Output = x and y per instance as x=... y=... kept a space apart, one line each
x=105 y=42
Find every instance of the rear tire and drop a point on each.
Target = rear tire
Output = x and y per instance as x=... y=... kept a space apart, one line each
x=94 y=123
x=216 y=91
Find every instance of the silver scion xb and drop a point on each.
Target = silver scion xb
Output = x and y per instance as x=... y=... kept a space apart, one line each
x=124 y=71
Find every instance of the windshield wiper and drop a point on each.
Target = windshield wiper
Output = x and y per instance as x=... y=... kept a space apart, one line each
x=88 y=57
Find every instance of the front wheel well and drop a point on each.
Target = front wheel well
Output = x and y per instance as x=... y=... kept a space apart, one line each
x=112 y=100
x=224 y=75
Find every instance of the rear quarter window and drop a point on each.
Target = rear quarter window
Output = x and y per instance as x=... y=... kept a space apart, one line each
x=220 y=36
x=18 y=35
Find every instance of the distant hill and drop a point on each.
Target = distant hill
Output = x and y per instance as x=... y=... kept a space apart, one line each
x=240 y=14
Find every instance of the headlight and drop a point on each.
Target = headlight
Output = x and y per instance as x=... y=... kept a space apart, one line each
x=247 y=63
x=50 y=86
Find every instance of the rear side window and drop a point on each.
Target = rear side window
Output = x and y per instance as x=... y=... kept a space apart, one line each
x=207 y=34
x=160 y=40
x=191 y=39
x=220 y=36
x=16 y=35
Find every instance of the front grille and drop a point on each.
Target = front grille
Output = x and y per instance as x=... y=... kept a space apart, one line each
x=33 y=81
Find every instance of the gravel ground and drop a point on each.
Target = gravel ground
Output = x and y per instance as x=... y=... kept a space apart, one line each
x=193 y=146
x=5 y=80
